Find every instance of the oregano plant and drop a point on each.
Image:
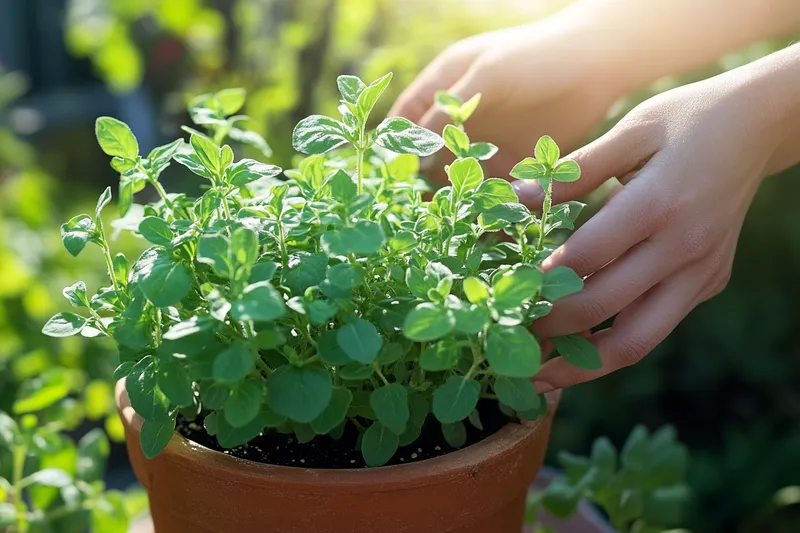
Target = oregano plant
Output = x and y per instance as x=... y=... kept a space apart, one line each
x=335 y=293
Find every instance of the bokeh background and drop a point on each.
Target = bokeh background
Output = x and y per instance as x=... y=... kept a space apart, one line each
x=728 y=378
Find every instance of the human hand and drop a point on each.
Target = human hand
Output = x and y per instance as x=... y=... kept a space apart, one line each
x=690 y=161
x=548 y=77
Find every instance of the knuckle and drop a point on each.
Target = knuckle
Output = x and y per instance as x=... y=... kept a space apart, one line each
x=631 y=351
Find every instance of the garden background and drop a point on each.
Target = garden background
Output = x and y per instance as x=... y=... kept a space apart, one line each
x=727 y=378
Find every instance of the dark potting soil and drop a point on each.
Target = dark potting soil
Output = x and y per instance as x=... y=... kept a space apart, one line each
x=276 y=448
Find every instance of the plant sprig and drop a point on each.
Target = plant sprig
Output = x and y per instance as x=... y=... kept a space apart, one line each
x=334 y=294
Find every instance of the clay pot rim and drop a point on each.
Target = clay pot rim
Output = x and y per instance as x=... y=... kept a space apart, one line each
x=438 y=470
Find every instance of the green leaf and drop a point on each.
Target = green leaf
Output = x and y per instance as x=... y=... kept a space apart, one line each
x=103 y=201
x=343 y=188
x=345 y=276
x=249 y=170
x=491 y=193
x=231 y=100
x=174 y=382
x=356 y=372
x=560 y=498
x=363 y=239
x=547 y=151
x=76 y=233
x=263 y=271
x=401 y=136
x=244 y=251
x=567 y=171
x=318 y=134
x=160 y=156
x=49 y=477
x=455 y=434
x=93 y=451
x=215 y=250
x=163 y=280
x=301 y=394
x=193 y=163
x=329 y=350
x=251 y=138
x=230 y=437
x=121 y=269
x=321 y=311
x=455 y=399
x=403 y=241
x=447 y=102
x=76 y=294
x=665 y=505
x=482 y=151
x=64 y=325
x=517 y=393
x=559 y=282
x=578 y=352
x=465 y=175
x=335 y=413
x=234 y=363
x=125 y=196
x=8 y=514
x=244 y=403
x=370 y=94
x=190 y=326
x=207 y=152
x=378 y=445
x=305 y=270
x=155 y=435
x=350 y=87
x=470 y=318
x=390 y=404
x=360 y=340
x=116 y=138
x=515 y=287
x=146 y=397
x=440 y=356
x=456 y=140
x=510 y=212
x=42 y=391
x=156 y=230
x=428 y=322
x=529 y=169
x=512 y=351
x=477 y=291
x=467 y=108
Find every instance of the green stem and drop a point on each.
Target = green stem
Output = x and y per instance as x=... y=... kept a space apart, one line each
x=109 y=260
x=359 y=169
x=224 y=197
x=380 y=374
x=18 y=471
x=548 y=194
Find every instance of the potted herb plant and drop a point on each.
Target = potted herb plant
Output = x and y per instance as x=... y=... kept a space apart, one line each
x=329 y=330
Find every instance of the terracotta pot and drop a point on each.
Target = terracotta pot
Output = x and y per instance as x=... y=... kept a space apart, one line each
x=480 y=489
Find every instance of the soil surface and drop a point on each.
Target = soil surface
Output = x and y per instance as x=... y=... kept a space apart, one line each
x=276 y=448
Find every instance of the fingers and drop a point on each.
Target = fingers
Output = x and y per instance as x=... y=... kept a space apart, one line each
x=632 y=215
x=617 y=153
x=610 y=290
x=636 y=331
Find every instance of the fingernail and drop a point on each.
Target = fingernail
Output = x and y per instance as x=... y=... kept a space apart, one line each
x=529 y=192
x=543 y=387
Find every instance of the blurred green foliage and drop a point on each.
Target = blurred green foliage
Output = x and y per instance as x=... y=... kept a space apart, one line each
x=727 y=378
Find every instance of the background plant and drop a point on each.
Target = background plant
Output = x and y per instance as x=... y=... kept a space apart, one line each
x=640 y=488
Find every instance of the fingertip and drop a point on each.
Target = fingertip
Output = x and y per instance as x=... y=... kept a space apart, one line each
x=530 y=193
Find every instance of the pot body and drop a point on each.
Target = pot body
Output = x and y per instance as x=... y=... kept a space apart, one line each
x=480 y=489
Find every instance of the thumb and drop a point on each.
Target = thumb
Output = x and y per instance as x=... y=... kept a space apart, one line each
x=619 y=152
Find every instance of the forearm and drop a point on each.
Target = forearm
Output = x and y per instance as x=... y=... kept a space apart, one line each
x=768 y=88
x=642 y=40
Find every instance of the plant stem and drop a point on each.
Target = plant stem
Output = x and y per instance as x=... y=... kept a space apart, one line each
x=359 y=169
x=224 y=197
x=380 y=374
x=548 y=193
x=18 y=471
x=109 y=260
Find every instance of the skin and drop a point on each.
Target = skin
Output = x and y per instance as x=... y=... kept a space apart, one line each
x=688 y=161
